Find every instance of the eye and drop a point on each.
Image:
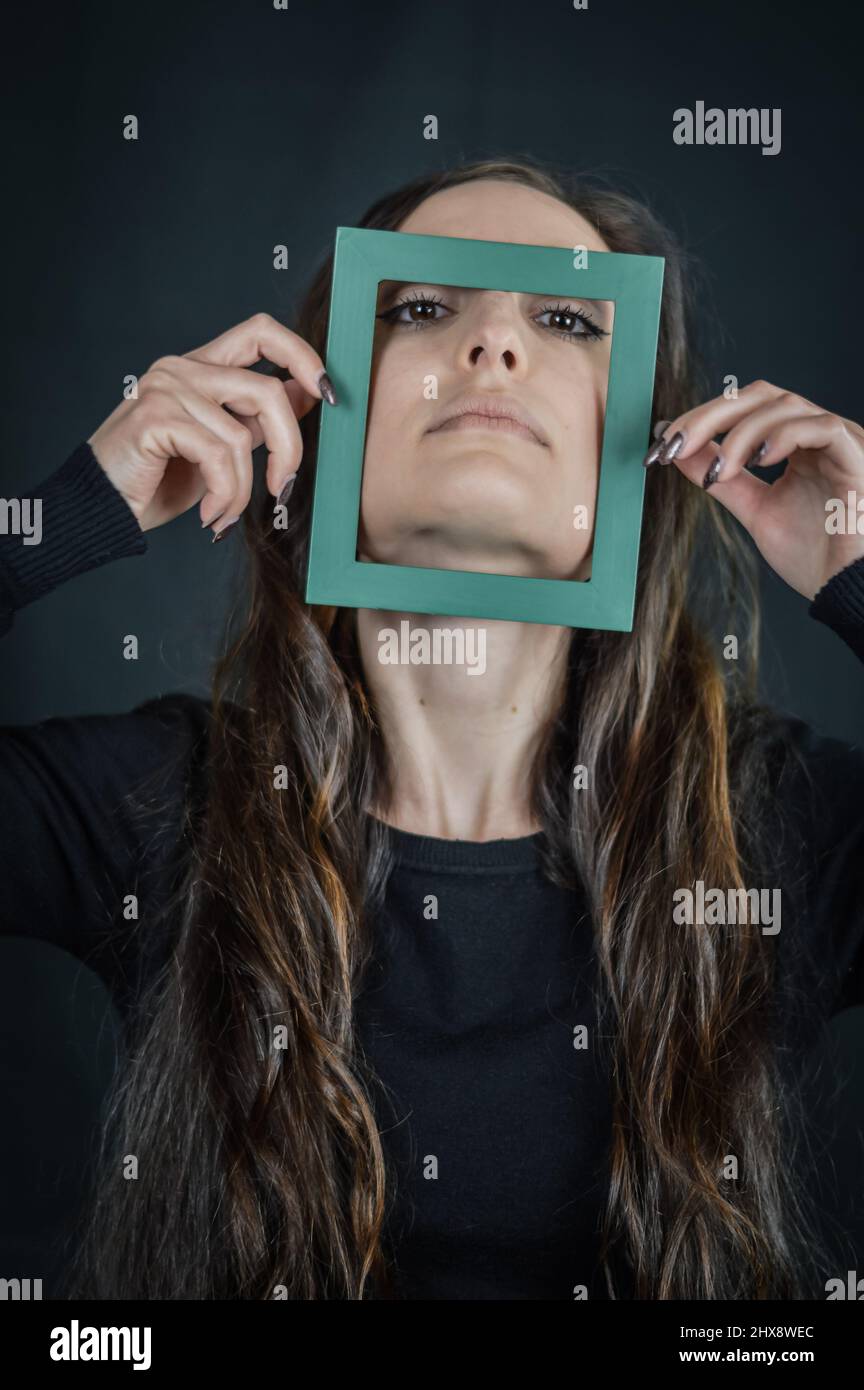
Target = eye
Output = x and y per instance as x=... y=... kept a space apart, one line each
x=426 y=307
x=571 y=323
x=420 y=310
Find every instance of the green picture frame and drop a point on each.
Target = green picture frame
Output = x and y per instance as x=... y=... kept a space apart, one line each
x=363 y=258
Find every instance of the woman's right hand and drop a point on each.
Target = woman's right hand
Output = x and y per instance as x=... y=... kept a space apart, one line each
x=188 y=436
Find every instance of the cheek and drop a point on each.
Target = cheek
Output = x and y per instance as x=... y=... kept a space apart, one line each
x=394 y=389
x=579 y=393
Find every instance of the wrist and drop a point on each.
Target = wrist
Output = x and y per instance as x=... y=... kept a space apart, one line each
x=84 y=522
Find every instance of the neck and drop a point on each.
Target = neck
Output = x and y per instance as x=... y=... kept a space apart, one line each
x=462 y=716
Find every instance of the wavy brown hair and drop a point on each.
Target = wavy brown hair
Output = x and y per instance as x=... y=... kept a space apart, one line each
x=260 y=1163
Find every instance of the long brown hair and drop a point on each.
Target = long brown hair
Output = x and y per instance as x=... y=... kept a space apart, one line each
x=260 y=1165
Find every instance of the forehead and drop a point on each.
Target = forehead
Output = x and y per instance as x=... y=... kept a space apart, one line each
x=500 y=210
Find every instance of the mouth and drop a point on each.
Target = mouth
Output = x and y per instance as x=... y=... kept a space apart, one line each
x=498 y=424
x=493 y=414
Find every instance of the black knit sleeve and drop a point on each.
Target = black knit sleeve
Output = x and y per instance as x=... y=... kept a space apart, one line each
x=839 y=604
x=93 y=807
x=823 y=786
x=823 y=793
x=76 y=519
x=95 y=819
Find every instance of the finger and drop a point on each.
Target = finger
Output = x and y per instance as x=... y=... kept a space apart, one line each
x=234 y=434
x=741 y=493
x=856 y=430
x=262 y=336
x=184 y=437
x=692 y=430
x=742 y=496
x=770 y=436
x=299 y=399
x=829 y=434
x=253 y=394
x=746 y=444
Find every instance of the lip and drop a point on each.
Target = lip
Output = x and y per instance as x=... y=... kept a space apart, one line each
x=494 y=411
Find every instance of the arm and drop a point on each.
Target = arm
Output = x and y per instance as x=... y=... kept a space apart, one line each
x=801 y=526
x=85 y=522
x=839 y=604
x=837 y=811
x=92 y=805
x=93 y=829
x=822 y=787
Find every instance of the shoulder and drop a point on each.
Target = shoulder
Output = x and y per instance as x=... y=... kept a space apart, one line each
x=93 y=793
x=95 y=810
x=792 y=758
x=100 y=753
x=815 y=821
x=819 y=776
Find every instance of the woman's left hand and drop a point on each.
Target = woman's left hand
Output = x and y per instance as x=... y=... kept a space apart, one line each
x=788 y=519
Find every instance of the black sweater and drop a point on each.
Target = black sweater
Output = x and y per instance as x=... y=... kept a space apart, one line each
x=468 y=1019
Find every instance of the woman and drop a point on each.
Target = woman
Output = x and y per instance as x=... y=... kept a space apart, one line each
x=410 y=1014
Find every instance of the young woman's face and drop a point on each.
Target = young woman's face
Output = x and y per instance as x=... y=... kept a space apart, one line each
x=486 y=495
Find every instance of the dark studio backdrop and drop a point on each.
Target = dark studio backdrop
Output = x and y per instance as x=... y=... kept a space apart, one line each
x=260 y=126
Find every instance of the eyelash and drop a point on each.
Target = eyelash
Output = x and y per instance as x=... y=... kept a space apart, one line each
x=592 y=334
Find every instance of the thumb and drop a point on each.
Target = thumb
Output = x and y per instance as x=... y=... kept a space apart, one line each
x=740 y=492
x=301 y=400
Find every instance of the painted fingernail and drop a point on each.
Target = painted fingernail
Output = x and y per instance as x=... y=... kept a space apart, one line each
x=286 y=490
x=225 y=529
x=325 y=386
x=660 y=428
x=713 y=472
x=758 y=455
x=653 y=453
x=673 y=448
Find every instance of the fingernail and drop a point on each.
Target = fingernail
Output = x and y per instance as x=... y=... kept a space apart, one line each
x=758 y=455
x=713 y=472
x=225 y=529
x=653 y=454
x=660 y=428
x=325 y=386
x=673 y=448
x=286 y=490
x=210 y=520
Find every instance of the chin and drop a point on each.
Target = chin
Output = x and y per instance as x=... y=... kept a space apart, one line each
x=516 y=458
x=477 y=542
x=499 y=495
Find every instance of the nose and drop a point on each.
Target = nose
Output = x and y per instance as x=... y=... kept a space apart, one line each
x=494 y=335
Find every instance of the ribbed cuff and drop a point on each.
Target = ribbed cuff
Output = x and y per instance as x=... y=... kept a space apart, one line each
x=839 y=604
x=85 y=522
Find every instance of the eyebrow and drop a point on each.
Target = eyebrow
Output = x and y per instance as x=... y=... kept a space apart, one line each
x=387 y=287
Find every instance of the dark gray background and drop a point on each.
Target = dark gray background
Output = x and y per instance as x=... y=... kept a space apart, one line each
x=259 y=126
